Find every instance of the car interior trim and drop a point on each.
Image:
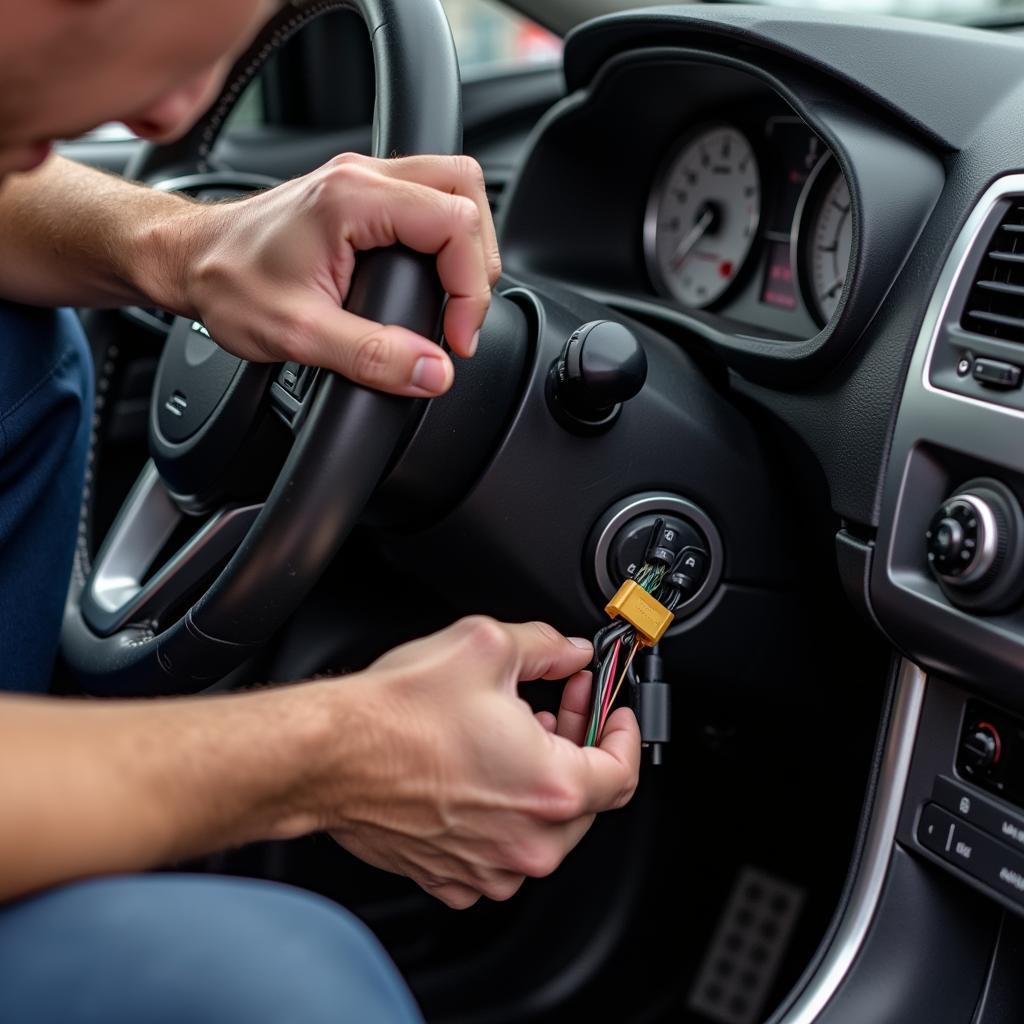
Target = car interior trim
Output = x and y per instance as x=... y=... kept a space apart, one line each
x=952 y=272
x=874 y=866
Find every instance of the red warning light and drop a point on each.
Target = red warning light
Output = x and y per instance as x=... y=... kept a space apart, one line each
x=725 y=268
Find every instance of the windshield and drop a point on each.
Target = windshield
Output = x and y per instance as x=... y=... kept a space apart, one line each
x=967 y=12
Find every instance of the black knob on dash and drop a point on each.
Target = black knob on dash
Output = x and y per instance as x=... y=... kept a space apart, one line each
x=980 y=748
x=974 y=545
x=601 y=366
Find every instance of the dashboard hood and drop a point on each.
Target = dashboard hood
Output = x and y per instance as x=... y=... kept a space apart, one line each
x=903 y=66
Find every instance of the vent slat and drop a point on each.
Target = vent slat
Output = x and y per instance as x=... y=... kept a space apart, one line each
x=995 y=303
x=1006 y=257
x=1003 y=287
x=997 y=318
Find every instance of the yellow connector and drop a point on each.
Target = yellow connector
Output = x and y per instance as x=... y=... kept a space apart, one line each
x=648 y=616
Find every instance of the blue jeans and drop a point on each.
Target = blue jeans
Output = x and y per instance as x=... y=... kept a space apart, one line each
x=179 y=949
x=45 y=411
x=184 y=949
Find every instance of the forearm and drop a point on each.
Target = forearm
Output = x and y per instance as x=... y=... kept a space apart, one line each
x=74 y=236
x=91 y=788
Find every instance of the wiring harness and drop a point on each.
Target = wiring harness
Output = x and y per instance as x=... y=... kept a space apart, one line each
x=642 y=610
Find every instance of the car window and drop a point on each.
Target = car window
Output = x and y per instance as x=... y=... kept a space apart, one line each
x=489 y=35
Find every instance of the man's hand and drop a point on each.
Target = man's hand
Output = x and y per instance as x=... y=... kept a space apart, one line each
x=456 y=784
x=428 y=764
x=269 y=275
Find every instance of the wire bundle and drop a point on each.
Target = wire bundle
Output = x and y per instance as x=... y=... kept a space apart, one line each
x=618 y=643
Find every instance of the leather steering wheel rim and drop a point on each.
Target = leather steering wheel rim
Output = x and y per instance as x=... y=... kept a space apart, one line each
x=326 y=479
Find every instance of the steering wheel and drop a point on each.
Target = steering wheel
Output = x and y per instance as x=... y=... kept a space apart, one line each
x=128 y=626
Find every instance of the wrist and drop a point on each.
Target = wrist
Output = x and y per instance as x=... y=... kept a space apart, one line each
x=163 y=251
x=329 y=733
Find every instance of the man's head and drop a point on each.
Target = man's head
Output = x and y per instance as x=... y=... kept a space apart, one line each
x=67 y=66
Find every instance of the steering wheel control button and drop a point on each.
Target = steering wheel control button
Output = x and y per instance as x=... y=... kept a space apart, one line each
x=974 y=546
x=996 y=374
x=295 y=379
x=602 y=366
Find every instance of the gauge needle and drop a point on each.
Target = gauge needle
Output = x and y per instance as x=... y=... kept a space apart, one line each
x=692 y=237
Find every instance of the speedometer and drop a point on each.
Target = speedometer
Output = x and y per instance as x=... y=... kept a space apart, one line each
x=829 y=240
x=702 y=216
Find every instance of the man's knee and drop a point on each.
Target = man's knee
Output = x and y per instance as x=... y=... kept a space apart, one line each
x=170 y=948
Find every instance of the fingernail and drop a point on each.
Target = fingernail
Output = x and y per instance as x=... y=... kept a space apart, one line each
x=578 y=641
x=473 y=342
x=430 y=374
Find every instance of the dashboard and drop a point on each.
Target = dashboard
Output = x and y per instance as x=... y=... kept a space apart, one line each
x=816 y=206
x=749 y=217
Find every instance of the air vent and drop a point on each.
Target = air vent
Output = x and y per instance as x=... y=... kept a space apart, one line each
x=995 y=303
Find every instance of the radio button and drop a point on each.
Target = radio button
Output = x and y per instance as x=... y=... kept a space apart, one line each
x=978 y=855
x=980 y=811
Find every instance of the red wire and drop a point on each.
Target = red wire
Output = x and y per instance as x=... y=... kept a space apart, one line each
x=607 y=696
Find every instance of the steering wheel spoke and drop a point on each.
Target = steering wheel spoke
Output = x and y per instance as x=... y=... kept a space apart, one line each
x=123 y=587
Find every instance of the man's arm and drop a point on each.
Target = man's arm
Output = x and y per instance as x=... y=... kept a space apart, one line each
x=74 y=236
x=427 y=764
x=268 y=275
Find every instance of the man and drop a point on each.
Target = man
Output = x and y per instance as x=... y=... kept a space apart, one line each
x=427 y=764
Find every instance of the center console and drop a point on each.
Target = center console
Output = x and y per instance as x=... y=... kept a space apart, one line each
x=933 y=925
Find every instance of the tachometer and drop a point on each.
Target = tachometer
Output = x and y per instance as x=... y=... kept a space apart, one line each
x=828 y=241
x=702 y=216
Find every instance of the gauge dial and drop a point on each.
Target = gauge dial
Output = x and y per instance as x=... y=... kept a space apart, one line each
x=703 y=214
x=829 y=240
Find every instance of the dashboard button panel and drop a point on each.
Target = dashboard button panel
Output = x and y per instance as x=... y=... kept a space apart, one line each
x=977 y=854
x=981 y=811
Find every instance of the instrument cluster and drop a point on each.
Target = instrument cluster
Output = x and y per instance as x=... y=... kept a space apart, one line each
x=752 y=221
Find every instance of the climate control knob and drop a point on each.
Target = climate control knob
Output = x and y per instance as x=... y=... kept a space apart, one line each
x=980 y=748
x=975 y=546
x=963 y=540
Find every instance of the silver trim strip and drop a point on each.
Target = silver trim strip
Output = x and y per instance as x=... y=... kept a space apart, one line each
x=878 y=845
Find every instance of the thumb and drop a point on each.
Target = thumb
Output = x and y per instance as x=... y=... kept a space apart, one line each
x=541 y=652
x=383 y=357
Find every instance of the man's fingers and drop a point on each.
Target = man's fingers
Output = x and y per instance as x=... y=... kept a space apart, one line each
x=386 y=358
x=430 y=221
x=539 y=651
x=574 y=712
x=607 y=775
x=452 y=894
x=460 y=175
x=547 y=721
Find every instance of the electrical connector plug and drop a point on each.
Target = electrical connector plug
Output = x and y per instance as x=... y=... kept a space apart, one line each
x=646 y=614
